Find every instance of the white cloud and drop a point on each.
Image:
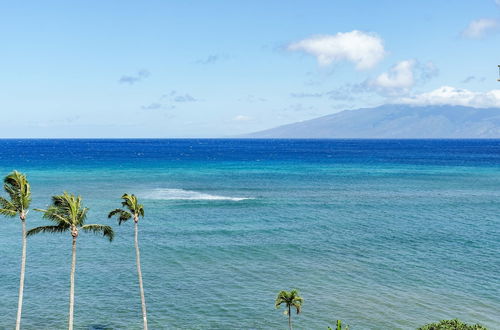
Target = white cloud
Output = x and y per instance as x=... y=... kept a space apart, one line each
x=447 y=95
x=480 y=27
x=242 y=118
x=400 y=76
x=365 y=50
x=497 y=2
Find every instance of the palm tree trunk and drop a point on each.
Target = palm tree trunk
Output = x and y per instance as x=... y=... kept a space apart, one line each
x=289 y=318
x=72 y=286
x=139 y=274
x=21 y=280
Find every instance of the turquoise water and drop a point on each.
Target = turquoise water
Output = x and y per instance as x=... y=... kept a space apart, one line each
x=380 y=234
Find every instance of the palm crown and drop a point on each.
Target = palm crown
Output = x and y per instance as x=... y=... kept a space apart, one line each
x=68 y=214
x=17 y=187
x=290 y=299
x=131 y=203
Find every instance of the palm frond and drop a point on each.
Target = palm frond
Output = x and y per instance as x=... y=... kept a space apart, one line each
x=81 y=215
x=281 y=298
x=66 y=208
x=122 y=215
x=6 y=204
x=18 y=188
x=291 y=298
x=296 y=300
x=132 y=204
x=115 y=212
x=11 y=190
x=67 y=205
x=129 y=201
x=298 y=307
x=7 y=208
x=52 y=214
x=47 y=229
x=8 y=213
x=106 y=231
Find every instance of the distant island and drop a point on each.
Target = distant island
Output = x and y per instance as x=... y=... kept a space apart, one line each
x=395 y=121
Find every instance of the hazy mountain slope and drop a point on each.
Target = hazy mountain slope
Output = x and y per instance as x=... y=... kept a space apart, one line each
x=395 y=121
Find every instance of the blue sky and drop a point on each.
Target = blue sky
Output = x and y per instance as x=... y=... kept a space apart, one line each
x=223 y=68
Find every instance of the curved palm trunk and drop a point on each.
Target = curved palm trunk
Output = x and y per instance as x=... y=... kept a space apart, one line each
x=289 y=318
x=21 y=280
x=139 y=274
x=72 y=286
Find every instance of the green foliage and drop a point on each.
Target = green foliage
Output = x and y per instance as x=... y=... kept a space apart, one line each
x=130 y=203
x=68 y=214
x=290 y=299
x=66 y=210
x=338 y=326
x=18 y=188
x=47 y=229
x=451 y=325
x=122 y=215
x=106 y=231
x=7 y=208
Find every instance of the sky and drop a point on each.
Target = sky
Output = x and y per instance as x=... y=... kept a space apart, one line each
x=173 y=69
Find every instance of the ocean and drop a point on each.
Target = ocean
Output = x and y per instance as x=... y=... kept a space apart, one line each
x=382 y=234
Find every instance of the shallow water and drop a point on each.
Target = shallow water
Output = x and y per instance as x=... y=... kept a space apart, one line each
x=380 y=234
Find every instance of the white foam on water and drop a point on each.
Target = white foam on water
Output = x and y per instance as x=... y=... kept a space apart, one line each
x=181 y=194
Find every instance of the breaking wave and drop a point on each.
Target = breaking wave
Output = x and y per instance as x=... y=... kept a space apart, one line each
x=181 y=194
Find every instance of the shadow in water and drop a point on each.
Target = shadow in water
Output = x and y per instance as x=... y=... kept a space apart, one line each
x=99 y=327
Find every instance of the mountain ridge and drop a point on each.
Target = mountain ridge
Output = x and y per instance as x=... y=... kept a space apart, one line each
x=397 y=121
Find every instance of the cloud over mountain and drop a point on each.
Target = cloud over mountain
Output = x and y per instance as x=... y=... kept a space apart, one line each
x=447 y=95
x=400 y=76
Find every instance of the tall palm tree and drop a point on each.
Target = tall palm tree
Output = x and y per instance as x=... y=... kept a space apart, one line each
x=68 y=214
x=18 y=188
x=133 y=210
x=290 y=299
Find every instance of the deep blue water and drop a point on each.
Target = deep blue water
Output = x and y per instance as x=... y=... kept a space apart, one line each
x=383 y=234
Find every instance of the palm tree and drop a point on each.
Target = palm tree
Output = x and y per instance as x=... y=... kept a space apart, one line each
x=133 y=210
x=68 y=214
x=18 y=188
x=339 y=326
x=290 y=299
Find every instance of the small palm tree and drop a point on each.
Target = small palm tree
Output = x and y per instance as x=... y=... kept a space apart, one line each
x=18 y=188
x=133 y=210
x=290 y=299
x=68 y=214
x=338 y=326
